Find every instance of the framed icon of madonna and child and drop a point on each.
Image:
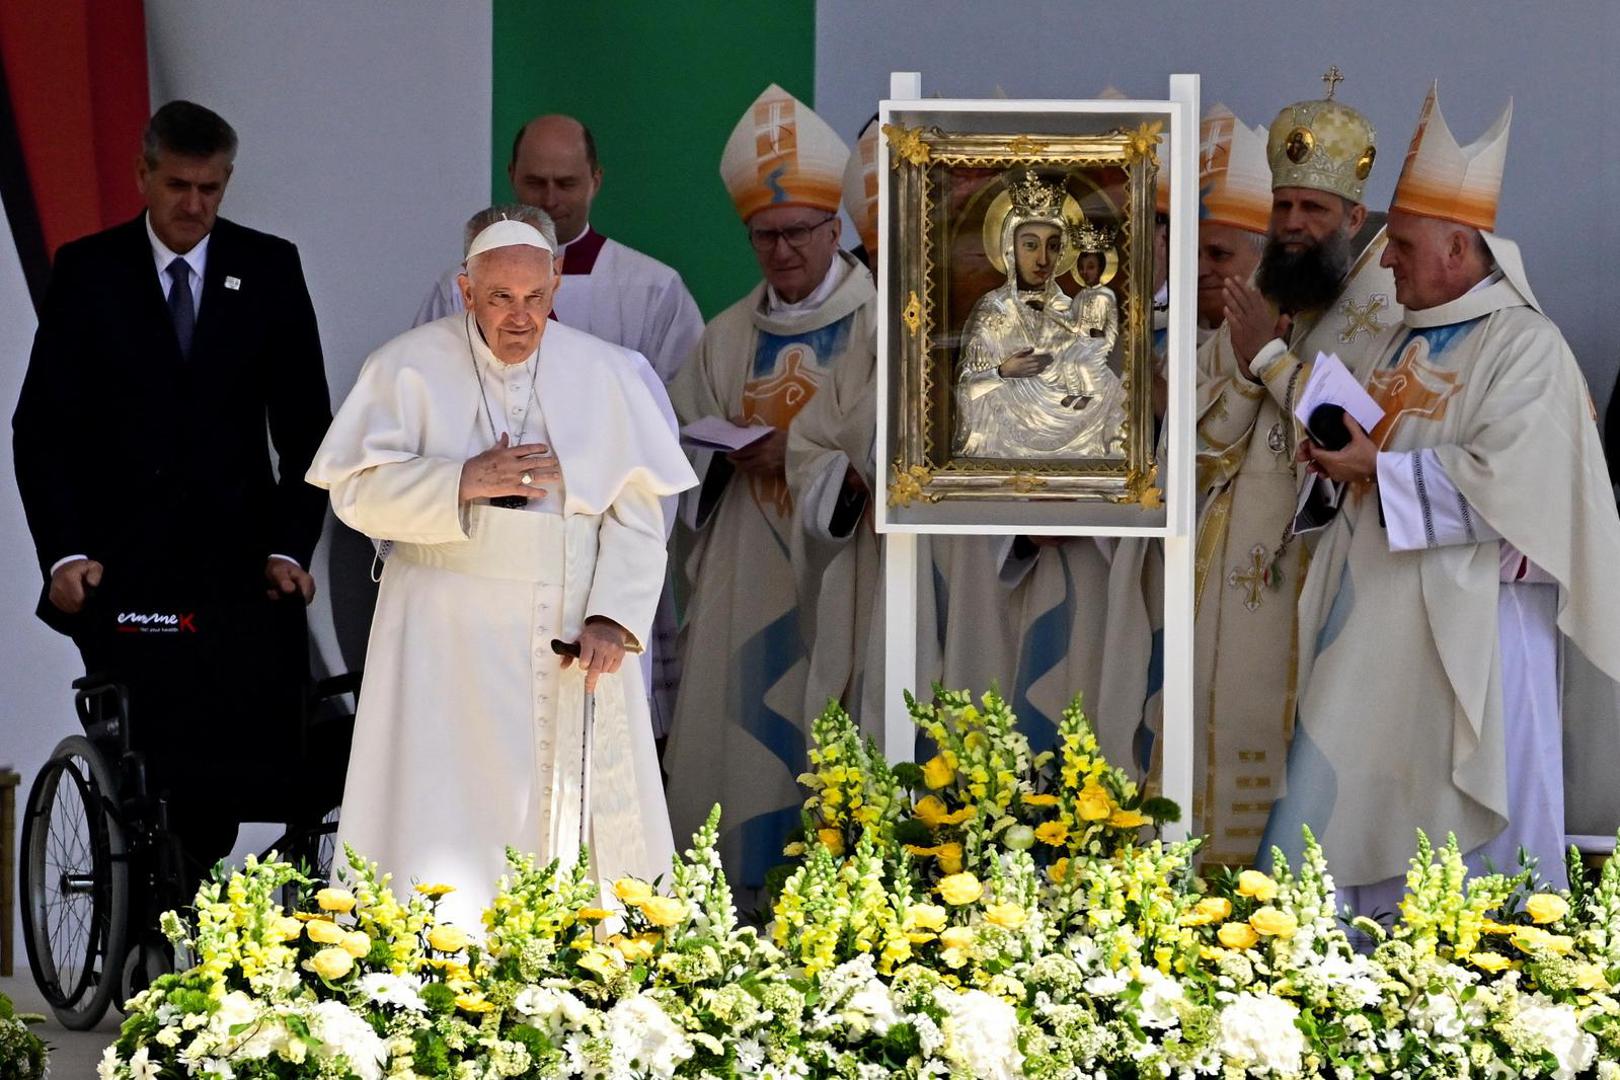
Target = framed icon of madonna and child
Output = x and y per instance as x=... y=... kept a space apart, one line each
x=1021 y=298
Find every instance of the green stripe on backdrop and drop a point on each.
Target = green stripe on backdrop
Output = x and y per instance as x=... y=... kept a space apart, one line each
x=661 y=85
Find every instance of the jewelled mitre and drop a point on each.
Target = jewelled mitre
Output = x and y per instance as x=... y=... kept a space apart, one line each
x=1441 y=179
x=782 y=154
x=1234 y=176
x=1322 y=144
x=861 y=187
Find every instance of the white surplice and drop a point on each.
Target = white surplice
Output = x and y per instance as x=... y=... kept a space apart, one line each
x=469 y=733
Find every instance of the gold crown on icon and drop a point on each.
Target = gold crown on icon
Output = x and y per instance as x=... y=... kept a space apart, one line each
x=1033 y=199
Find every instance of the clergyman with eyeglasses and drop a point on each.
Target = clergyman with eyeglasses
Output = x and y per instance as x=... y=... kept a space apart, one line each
x=740 y=727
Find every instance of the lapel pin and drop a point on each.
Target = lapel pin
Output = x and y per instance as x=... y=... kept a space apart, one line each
x=233 y=283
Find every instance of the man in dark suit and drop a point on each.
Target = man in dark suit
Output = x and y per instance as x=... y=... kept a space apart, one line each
x=167 y=346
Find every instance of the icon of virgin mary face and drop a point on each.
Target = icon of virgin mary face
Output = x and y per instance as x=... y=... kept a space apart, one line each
x=1037 y=246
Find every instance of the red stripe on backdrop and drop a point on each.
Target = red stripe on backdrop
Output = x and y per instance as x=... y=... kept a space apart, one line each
x=76 y=73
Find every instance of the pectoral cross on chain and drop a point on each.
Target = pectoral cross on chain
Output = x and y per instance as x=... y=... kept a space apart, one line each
x=1254 y=578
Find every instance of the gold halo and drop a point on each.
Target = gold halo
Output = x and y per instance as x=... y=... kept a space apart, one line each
x=1110 y=265
x=996 y=216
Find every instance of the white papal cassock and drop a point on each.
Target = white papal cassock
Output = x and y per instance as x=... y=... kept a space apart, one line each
x=469 y=733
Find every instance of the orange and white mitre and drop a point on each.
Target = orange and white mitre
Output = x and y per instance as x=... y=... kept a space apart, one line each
x=1442 y=179
x=782 y=154
x=1234 y=177
x=861 y=188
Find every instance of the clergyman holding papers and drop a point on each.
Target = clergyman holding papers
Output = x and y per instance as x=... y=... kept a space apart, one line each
x=515 y=465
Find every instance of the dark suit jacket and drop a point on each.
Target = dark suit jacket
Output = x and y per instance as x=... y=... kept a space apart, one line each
x=158 y=466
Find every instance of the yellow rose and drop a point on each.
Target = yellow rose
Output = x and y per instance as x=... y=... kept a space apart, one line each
x=950 y=858
x=288 y=929
x=832 y=840
x=474 y=1002
x=447 y=938
x=357 y=944
x=1052 y=832
x=930 y=810
x=1489 y=961
x=957 y=937
x=1059 y=871
x=1530 y=938
x=1257 y=886
x=1093 y=803
x=331 y=963
x=633 y=949
x=663 y=910
x=631 y=890
x=1491 y=926
x=959 y=889
x=794 y=850
x=1126 y=819
x=1273 y=923
x=1237 y=935
x=594 y=914
x=925 y=917
x=340 y=901
x=1041 y=800
x=1590 y=977
x=434 y=890
x=1560 y=944
x=325 y=932
x=1546 y=908
x=600 y=962
x=939 y=771
x=1215 y=907
x=1006 y=916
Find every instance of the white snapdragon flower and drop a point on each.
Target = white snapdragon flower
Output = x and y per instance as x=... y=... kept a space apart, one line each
x=553 y=1011
x=1259 y=1033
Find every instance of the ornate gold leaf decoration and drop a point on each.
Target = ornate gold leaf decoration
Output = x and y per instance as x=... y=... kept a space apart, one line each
x=1144 y=142
x=907 y=145
x=907 y=485
x=912 y=315
x=1023 y=144
x=1025 y=482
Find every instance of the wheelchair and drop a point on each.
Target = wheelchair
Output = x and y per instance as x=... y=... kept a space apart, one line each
x=100 y=862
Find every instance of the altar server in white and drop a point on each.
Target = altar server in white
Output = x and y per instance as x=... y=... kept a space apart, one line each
x=516 y=464
x=1476 y=538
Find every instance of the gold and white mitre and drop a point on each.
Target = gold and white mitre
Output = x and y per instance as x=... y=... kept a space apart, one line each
x=861 y=187
x=1234 y=177
x=1322 y=144
x=782 y=154
x=1441 y=179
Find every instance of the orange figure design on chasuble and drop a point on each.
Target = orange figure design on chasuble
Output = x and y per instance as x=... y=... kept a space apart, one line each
x=1411 y=387
x=776 y=400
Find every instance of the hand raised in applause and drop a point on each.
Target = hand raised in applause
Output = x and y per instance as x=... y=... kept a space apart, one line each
x=1253 y=322
x=499 y=471
x=601 y=650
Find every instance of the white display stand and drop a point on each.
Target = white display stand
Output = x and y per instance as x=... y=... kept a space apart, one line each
x=901 y=577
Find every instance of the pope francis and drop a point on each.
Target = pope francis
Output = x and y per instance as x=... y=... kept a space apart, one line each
x=514 y=467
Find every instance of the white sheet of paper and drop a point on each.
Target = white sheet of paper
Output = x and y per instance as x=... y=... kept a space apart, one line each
x=1331 y=381
x=713 y=433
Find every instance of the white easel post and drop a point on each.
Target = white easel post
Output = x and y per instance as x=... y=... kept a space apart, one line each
x=900 y=592
x=1177 y=729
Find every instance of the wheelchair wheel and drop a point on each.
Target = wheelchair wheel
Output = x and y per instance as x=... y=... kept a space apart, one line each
x=75 y=884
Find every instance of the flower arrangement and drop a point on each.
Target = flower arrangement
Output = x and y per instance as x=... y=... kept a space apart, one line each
x=986 y=913
x=22 y=1054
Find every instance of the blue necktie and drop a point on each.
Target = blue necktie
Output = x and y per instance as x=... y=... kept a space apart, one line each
x=181 y=308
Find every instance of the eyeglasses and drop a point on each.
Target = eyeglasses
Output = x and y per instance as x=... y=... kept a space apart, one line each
x=797 y=236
